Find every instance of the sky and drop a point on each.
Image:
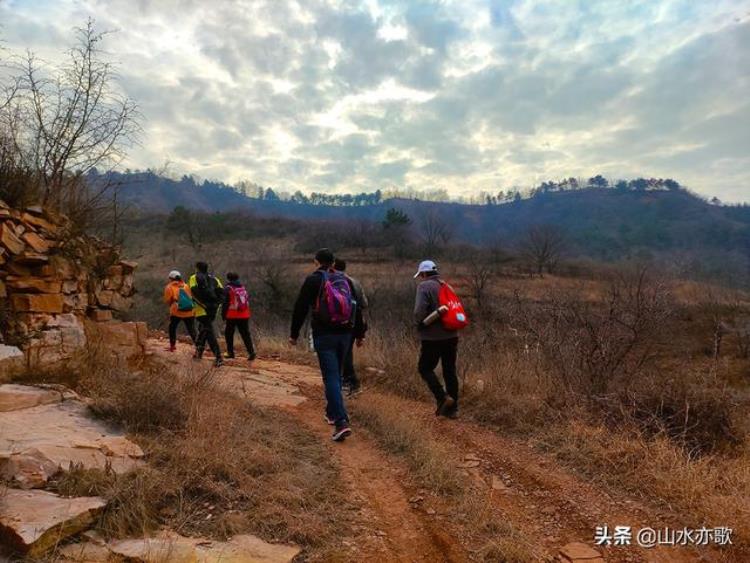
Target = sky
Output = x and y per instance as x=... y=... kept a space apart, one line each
x=465 y=95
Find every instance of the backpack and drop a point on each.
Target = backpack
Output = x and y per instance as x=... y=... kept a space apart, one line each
x=238 y=299
x=184 y=301
x=455 y=317
x=335 y=306
x=207 y=290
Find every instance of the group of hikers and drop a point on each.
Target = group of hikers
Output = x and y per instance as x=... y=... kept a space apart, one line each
x=338 y=304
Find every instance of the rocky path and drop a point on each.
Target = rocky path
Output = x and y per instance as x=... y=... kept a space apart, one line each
x=552 y=507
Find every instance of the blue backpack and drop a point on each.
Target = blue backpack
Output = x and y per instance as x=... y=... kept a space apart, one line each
x=184 y=301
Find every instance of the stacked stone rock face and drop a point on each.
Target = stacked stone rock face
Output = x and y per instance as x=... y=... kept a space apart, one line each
x=57 y=292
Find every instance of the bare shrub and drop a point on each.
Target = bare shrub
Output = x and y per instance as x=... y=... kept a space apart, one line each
x=542 y=247
x=590 y=346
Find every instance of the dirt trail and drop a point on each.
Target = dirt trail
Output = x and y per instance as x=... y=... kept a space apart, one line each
x=550 y=505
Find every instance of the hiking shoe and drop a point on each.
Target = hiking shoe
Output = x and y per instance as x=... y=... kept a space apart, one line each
x=446 y=406
x=453 y=413
x=229 y=356
x=341 y=433
x=329 y=421
x=218 y=363
x=171 y=349
x=252 y=357
x=354 y=391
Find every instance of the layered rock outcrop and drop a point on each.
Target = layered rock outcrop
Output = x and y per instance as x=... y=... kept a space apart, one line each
x=55 y=288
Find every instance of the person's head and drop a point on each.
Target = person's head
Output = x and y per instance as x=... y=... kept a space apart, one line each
x=426 y=269
x=202 y=267
x=339 y=265
x=174 y=275
x=232 y=276
x=324 y=258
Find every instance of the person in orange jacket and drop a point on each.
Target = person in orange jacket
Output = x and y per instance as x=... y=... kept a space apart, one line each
x=178 y=296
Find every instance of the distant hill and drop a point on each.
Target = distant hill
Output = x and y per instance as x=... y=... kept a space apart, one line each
x=602 y=223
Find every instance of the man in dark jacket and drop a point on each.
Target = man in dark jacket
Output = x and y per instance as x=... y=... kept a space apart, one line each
x=350 y=379
x=331 y=341
x=439 y=345
x=208 y=293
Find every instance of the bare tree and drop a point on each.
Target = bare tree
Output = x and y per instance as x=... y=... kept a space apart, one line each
x=67 y=121
x=436 y=230
x=479 y=272
x=542 y=247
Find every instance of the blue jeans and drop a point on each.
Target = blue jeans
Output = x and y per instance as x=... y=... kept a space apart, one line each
x=332 y=350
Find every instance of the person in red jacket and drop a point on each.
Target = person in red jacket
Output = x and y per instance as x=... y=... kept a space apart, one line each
x=235 y=310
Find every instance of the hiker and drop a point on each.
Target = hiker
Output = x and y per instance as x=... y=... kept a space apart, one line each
x=439 y=315
x=351 y=382
x=235 y=310
x=336 y=319
x=181 y=308
x=208 y=294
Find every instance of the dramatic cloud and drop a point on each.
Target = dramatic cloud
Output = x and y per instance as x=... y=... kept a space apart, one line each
x=462 y=95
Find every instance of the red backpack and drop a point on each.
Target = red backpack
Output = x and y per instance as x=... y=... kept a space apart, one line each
x=455 y=317
x=239 y=306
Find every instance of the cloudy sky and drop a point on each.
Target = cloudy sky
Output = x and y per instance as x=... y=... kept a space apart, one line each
x=466 y=95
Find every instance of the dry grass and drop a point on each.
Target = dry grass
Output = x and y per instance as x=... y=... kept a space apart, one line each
x=433 y=467
x=217 y=466
x=713 y=489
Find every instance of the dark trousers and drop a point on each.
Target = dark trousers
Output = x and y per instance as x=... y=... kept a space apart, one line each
x=174 y=323
x=444 y=352
x=206 y=334
x=243 y=326
x=349 y=375
x=332 y=350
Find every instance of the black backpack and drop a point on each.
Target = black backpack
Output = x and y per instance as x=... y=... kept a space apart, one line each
x=207 y=289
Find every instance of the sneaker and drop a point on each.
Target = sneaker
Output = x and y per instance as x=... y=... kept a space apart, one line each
x=329 y=421
x=341 y=433
x=446 y=406
x=354 y=391
x=198 y=355
x=252 y=357
x=229 y=356
x=453 y=413
x=172 y=349
x=218 y=363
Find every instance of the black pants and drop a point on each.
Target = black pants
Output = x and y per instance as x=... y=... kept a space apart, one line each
x=243 y=326
x=174 y=323
x=444 y=352
x=349 y=376
x=206 y=334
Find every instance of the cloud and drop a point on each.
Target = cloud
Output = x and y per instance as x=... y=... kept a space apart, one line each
x=464 y=95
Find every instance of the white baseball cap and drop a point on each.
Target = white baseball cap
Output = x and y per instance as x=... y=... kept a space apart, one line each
x=426 y=266
x=174 y=274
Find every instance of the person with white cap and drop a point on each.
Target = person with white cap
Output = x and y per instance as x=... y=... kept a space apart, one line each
x=438 y=344
x=181 y=308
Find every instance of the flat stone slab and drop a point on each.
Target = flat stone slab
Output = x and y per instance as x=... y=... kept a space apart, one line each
x=32 y=522
x=38 y=441
x=577 y=551
x=173 y=548
x=17 y=397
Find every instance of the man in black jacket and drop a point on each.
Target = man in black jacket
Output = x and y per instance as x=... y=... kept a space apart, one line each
x=331 y=341
x=207 y=293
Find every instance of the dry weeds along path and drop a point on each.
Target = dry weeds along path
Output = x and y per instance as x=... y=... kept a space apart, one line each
x=549 y=505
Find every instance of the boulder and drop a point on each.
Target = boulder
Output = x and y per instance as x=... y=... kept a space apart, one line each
x=174 y=548
x=37 y=303
x=39 y=223
x=100 y=315
x=125 y=341
x=33 y=522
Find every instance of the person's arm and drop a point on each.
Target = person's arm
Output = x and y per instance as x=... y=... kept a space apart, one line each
x=423 y=304
x=225 y=303
x=308 y=293
x=360 y=326
x=168 y=295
